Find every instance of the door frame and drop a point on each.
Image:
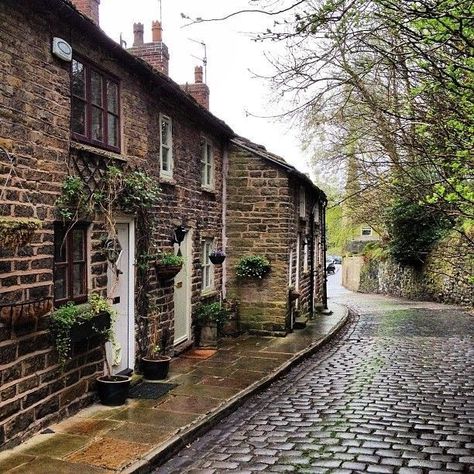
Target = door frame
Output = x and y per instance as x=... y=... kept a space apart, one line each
x=131 y=288
x=188 y=267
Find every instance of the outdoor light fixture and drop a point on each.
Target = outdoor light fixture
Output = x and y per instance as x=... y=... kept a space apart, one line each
x=179 y=234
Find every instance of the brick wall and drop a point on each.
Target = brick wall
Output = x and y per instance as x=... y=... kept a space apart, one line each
x=89 y=8
x=258 y=214
x=34 y=127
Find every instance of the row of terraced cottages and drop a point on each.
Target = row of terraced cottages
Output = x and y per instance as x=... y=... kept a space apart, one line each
x=75 y=109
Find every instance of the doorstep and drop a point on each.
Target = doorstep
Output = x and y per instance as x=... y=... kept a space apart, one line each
x=145 y=433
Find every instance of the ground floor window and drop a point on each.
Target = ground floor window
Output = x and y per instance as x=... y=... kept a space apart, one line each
x=70 y=263
x=207 y=266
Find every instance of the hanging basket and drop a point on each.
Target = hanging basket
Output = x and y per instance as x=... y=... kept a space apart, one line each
x=17 y=314
x=17 y=231
x=217 y=259
x=166 y=272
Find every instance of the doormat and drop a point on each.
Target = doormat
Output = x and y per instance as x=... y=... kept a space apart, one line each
x=150 y=391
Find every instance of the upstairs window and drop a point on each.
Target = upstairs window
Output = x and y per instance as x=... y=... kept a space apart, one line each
x=70 y=264
x=166 y=148
x=207 y=266
x=95 y=108
x=302 y=205
x=366 y=231
x=207 y=165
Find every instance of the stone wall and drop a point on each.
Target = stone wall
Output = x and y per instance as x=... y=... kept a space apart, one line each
x=35 y=130
x=443 y=277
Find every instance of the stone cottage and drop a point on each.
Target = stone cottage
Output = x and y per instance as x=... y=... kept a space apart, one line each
x=275 y=211
x=75 y=109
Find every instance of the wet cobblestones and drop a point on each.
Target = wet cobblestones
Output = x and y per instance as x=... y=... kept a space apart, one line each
x=394 y=394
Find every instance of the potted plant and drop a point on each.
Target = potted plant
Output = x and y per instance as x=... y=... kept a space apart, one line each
x=210 y=318
x=252 y=266
x=217 y=257
x=168 y=265
x=17 y=231
x=156 y=364
x=75 y=323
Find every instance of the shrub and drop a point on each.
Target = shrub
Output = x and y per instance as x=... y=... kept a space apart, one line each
x=211 y=313
x=252 y=266
x=166 y=258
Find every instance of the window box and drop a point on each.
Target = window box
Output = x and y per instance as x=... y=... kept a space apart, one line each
x=83 y=330
x=18 y=314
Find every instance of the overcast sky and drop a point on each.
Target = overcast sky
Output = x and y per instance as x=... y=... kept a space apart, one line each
x=232 y=59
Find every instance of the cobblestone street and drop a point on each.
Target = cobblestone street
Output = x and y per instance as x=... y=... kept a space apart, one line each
x=394 y=393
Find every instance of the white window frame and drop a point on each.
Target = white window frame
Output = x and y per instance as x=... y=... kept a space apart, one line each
x=366 y=228
x=168 y=173
x=207 y=164
x=207 y=266
x=305 y=255
x=302 y=206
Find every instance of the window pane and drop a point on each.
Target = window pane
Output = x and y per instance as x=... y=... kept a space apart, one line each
x=164 y=159
x=203 y=173
x=78 y=79
x=97 y=133
x=209 y=174
x=60 y=247
x=165 y=132
x=96 y=88
x=78 y=244
x=112 y=97
x=78 y=116
x=60 y=283
x=112 y=130
x=78 y=273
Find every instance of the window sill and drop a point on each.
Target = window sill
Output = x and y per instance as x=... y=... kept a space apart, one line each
x=208 y=293
x=98 y=151
x=167 y=180
x=207 y=189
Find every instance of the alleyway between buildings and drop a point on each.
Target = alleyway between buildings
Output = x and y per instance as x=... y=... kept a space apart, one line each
x=393 y=394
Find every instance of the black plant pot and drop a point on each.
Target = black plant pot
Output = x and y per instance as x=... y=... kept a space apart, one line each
x=113 y=391
x=90 y=327
x=217 y=259
x=156 y=369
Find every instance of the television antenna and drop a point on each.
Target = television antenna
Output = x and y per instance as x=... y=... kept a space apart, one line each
x=203 y=59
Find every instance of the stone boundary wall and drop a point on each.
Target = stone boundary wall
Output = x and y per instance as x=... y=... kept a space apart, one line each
x=443 y=277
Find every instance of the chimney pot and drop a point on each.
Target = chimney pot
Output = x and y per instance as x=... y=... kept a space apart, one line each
x=137 y=34
x=157 y=32
x=198 y=75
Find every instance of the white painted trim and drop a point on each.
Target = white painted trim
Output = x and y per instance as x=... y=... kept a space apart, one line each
x=225 y=171
x=166 y=174
x=131 y=287
x=188 y=262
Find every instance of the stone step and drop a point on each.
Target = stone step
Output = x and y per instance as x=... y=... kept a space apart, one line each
x=300 y=322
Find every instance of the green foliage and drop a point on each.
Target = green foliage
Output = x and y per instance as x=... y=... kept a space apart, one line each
x=413 y=229
x=166 y=258
x=17 y=231
x=64 y=318
x=252 y=266
x=74 y=199
x=211 y=313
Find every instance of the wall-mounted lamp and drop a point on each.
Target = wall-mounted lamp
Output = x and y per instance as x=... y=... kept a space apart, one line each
x=179 y=234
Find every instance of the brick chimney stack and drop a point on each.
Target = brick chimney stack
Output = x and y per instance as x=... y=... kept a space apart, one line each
x=199 y=91
x=137 y=34
x=89 y=8
x=155 y=53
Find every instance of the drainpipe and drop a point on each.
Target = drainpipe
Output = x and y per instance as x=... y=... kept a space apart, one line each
x=323 y=239
x=312 y=269
x=225 y=171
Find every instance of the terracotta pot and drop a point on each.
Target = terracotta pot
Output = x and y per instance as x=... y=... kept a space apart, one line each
x=113 y=391
x=156 y=369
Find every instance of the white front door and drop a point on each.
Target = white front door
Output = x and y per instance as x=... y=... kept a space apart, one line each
x=182 y=292
x=121 y=354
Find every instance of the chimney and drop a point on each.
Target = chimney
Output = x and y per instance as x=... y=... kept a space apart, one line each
x=199 y=91
x=137 y=34
x=89 y=8
x=154 y=53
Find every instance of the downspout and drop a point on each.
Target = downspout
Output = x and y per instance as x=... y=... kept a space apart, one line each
x=312 y=247
x=323 y=239
x=225 y=171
